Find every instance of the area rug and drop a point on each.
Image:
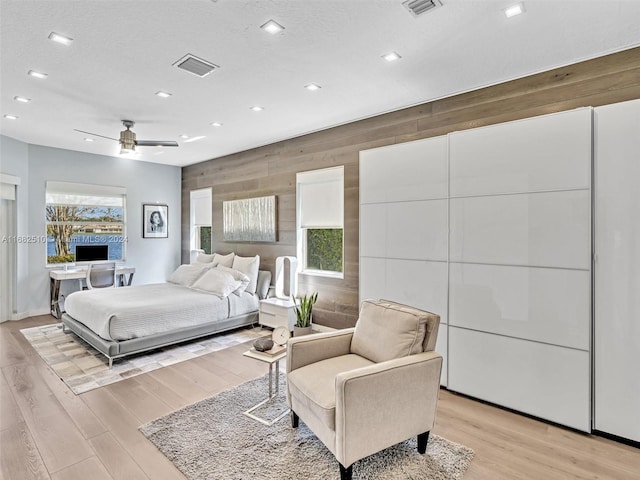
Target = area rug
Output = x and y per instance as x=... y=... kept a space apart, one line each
x=83 y=368
x=212 y=440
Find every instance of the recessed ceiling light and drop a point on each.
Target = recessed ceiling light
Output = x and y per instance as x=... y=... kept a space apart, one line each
x=313 y=87
x=272 y=27
x=184 y=136
x=216 y=124
x=193 y=139
x=391 y=56
x=10 y=117
x=56 y=37
x=17 y=98
x=159 y=152
x=33 y=73
x=514 y=10
x=88 y=139
x=162 y=94
x=257 y=108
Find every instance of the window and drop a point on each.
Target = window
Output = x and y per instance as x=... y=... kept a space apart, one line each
x=200 y=214
x=79 y=214
x=320 y=219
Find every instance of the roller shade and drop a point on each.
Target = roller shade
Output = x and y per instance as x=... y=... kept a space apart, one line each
x=66 y=193
x=321 y=198
x=201 y=207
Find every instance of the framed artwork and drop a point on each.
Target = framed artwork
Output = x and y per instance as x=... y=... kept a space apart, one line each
x=155 y=220
x=249 y=220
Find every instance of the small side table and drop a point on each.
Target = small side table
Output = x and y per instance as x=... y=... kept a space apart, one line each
x=273 y=390
x=277 y=312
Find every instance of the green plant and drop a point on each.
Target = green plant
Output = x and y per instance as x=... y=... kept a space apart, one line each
x=303 y=311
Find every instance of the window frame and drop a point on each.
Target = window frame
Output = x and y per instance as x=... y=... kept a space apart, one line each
x=315 y=177
x=54 y=188
x=194 y=227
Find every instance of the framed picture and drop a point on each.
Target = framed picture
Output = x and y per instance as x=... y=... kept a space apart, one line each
x=155 y=220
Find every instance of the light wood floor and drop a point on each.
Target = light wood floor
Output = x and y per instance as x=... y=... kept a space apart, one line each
x=47 y=432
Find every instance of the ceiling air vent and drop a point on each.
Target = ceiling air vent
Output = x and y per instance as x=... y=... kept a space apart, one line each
x=195 y=65
x=418 y=7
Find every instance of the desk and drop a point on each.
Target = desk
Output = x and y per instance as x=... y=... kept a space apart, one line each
x=124 y=275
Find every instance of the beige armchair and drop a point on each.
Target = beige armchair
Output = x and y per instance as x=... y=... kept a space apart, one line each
x=363 y=389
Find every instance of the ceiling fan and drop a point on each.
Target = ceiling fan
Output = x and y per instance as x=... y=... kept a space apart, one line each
x=128 y=140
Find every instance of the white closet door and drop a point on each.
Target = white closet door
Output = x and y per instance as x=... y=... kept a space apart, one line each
x=617 y=269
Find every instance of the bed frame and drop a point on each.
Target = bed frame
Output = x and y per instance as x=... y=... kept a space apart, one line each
x=114 y=349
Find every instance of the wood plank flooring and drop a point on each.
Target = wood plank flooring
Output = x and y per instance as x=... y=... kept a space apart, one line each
x=47 y=432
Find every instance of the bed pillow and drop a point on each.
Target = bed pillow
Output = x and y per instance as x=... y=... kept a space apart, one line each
x=249 y=266
x=205 y=258
x=224 y=260
x=218 y=282
x=237 y=275
x=187 y=274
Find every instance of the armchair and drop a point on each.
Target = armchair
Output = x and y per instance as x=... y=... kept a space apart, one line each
x=364 y=389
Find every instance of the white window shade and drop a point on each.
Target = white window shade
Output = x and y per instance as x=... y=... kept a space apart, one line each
x=321 y=198
x=66 y=193
x=201 y=207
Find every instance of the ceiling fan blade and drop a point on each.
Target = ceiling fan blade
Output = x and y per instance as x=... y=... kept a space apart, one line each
x=156 y=143
x=95 y=134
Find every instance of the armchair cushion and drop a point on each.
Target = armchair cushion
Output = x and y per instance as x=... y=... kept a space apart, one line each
x=315 y=385
x=387 y=330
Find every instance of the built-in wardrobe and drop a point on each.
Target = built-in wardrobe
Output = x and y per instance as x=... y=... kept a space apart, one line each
x=493 y=229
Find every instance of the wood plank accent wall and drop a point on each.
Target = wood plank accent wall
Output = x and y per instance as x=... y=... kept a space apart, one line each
x=271 y=170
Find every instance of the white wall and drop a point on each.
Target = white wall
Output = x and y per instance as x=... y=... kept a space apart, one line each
x=14 y=161
x=154 y=259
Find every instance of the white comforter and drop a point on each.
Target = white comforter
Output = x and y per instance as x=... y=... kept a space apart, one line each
x=141 y=310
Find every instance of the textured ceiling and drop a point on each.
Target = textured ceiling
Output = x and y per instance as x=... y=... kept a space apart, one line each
x=123 y=52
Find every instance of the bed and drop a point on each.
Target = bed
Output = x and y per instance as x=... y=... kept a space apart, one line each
x=124 y=321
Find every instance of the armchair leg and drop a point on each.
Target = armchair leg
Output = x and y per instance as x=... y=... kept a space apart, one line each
x=294 y=419
x=423 y=438
x=345 y=473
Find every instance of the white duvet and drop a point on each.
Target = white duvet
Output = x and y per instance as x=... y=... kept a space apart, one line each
x=142 y=310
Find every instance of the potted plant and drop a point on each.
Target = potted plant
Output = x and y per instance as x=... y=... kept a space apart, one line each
x=304 y=314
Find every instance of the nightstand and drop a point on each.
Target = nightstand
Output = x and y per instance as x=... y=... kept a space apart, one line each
x=276 y=312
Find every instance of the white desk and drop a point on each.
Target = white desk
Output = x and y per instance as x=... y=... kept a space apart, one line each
x=124 y=274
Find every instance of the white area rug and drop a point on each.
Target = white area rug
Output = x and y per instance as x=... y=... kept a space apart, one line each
x=212 y=440
x=83 y=368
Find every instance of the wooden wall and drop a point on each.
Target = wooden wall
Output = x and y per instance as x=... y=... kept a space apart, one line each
x=271 y=170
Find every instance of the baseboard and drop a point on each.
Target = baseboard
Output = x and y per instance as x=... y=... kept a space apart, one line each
x=21 y=316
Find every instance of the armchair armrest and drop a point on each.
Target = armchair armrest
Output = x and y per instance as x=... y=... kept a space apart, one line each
x=313 y=348
x=383 y=404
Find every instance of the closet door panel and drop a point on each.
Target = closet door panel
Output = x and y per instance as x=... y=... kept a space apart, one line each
x=417 y=230
x=419 y=284
x=373 y=274
x=539 y=229
x=550 y=152
x=373 y=230
x=543 y=380
x=617 y=269
x=541 y=304
x=406 y=171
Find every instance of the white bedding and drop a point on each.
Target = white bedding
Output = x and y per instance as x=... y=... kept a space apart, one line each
x=142 y=310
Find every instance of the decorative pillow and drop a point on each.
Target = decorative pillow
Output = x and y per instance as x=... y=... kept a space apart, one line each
x=224 y=260
x=218 y=282
x=205 y=258
x=249 y=266
x=387 y=330
x=237 y=275
x=187 y=274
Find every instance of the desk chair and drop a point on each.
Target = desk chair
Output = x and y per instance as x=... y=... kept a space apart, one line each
x=101 y=275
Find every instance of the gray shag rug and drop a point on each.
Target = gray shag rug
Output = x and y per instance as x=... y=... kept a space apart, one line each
x=212 y=439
